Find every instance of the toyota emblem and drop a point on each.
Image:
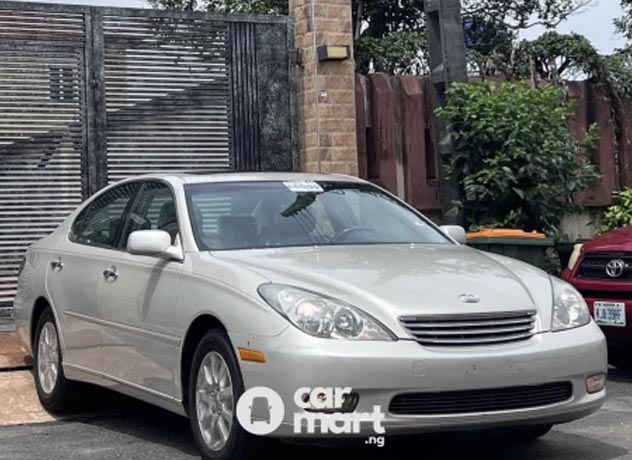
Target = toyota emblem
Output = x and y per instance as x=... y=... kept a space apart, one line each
x=615 y=268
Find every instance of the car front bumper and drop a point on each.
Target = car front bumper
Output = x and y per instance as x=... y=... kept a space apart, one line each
x=378 y=371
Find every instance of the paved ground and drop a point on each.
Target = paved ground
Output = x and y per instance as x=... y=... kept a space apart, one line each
x=125 y=429
x=13 y=354
x=18 y=400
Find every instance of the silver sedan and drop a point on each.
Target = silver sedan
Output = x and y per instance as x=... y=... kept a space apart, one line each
x=300 y=306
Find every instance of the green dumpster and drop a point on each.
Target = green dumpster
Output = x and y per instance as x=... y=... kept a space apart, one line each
x=527 y=247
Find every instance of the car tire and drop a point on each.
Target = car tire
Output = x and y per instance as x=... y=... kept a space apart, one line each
x=239 y=444
x=56 y=393
x=620 y=359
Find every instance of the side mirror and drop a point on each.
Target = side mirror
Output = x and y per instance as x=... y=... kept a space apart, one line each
x=153 y=243
x=456 y=232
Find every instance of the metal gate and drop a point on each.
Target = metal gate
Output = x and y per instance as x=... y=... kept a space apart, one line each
x=91 y=95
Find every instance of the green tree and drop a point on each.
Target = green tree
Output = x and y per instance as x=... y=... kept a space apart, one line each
x=624 y=23
x=555 y=57
x=619 y=214
x=618 y=67
x=517 y=162
x=390 y=34
x=275 y=7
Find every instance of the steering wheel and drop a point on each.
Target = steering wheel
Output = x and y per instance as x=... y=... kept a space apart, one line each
x=344 y=235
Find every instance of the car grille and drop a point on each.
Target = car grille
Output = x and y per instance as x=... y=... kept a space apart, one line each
x=606 y=295
x=593 y=266
x=472 y=329
x=489 y=400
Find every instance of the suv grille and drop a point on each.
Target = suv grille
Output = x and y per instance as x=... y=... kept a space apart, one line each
x=489 y=400
x=594 y=266
x=606 y=295
x=474 y=329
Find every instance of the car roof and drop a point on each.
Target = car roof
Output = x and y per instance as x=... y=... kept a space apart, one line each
x=249 y=177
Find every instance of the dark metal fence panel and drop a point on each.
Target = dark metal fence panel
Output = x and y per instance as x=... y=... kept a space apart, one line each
x=273 y=74
x=91 y=95
x=167 y=98
x=245 y=103
x=261 y=99
x=42 y=141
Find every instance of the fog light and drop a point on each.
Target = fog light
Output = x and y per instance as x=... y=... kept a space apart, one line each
x=595 y=383
x=349 y=404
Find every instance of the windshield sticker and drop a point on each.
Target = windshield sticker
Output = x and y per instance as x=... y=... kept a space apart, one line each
x=303 y=186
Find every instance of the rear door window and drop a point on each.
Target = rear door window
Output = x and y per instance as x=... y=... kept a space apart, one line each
x=100 y=224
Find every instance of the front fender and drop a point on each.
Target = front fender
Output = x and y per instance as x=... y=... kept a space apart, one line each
x=227 y=293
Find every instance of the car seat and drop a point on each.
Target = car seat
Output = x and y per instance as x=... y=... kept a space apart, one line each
x=238 y=232
x=167 y=220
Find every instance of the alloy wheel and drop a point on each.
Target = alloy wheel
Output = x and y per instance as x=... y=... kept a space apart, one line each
x=48 y=358
x=214 y=402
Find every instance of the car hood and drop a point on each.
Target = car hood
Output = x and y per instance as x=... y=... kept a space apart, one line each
x=389 y=281
x=619 y=240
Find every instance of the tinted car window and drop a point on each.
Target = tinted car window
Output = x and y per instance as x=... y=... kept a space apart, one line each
x=100 y=223
x=153 y=209
x=278 y=214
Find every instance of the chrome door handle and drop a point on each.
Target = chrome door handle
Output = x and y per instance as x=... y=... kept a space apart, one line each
x=110 y=274
x=57 y=265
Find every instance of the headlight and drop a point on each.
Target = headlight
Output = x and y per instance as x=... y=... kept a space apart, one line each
x=322 y=316
x=577 y=251
x=569 y=307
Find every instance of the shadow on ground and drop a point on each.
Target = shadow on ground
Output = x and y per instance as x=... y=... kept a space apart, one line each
x=617 y=375
x=133 y=423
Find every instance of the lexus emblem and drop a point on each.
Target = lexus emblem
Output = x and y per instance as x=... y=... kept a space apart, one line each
x=615 y=268
x=469 y=298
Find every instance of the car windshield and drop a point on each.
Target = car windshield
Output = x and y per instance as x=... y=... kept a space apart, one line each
x=254 y=215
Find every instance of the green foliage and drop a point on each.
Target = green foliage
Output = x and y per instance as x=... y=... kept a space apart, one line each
x=378 y=18
x=390 y=35
x=517 y=163
x=483 y=36
x=555 y=57
x=520 y=14
x=619 y=214
x=396 y=53
x=624 y=23
x=386 y=31
x=275 y=7
x=618 y=67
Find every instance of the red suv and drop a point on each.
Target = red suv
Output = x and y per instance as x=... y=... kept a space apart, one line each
x=602 y=271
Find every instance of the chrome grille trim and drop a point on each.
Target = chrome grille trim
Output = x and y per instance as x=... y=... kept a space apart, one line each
x=470 y=329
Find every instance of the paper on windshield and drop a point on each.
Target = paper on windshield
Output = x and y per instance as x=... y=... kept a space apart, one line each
x=303 y=186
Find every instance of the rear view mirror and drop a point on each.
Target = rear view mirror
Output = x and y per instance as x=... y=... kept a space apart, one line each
x=153 y=243
x=456 y=232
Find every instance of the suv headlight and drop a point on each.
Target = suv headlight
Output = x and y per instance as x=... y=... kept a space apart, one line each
x=577 y=251
x=569 y=307
x=322 y=316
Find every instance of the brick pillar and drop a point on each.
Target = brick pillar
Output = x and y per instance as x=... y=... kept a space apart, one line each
x=326 y=90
